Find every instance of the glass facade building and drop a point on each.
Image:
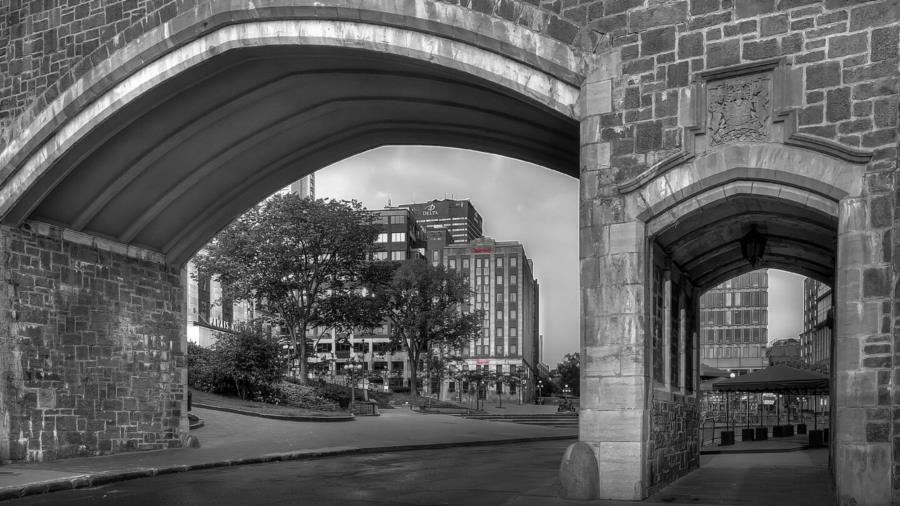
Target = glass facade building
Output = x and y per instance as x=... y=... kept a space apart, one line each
x=733 y=323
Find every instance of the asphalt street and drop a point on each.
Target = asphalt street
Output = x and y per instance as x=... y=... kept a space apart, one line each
x=512 y=474
x=505 y=474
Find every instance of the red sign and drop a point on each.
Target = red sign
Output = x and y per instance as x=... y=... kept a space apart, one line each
x=482 y=361
x=481 y=250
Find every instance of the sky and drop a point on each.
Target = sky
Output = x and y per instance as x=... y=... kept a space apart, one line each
x=518 y=201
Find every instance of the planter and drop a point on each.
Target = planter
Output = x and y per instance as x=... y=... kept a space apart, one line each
x=815 y=439
x=762 y=434
x=825 y=436
x=788 y=430
x=727 y=438
x=801 y=428
x=748 y=434
x=777 y=431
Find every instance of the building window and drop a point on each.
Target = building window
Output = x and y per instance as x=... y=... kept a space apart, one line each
x=380 y=255
x=203 y=297
x=499 y=331
x=499 y=314
x=465 y=263
x=451 y=387
x=513 y=261
x=513 y=314
x=512 y=279
x=435 y=257
x=513 y=348
x=513 y=297
x=398 y=237
x=382 y=237
x=398 y=255
x=499 y=279
x=513 y=332
x=499 y=262
x=499 y=297
x=398 y=219
x=452 y=263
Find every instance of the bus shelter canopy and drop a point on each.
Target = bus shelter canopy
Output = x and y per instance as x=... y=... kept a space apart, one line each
x=779 y=379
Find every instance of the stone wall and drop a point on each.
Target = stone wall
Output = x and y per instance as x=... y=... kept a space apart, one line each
x=674 y=446
x=91 y=346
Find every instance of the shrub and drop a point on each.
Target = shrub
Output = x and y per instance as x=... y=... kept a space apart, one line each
x=301 y=396
x=246 y=363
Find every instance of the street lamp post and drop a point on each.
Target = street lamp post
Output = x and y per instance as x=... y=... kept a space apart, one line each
x=354 y=367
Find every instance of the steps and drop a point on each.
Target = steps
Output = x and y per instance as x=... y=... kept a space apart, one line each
x=563 y=420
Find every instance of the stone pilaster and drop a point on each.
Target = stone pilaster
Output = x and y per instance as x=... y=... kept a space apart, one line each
x=862 y=453
x=612 y=261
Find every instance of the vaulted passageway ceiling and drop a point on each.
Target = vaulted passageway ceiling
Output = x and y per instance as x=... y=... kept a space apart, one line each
x=173 y=167
x=706 y=244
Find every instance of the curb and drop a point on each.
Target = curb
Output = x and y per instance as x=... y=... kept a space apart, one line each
x=104 y=477
x=755 y=450
x=288 y=418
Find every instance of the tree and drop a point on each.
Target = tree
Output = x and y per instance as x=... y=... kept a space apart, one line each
x=290 y=256
x=424 y=304
x=569 y=372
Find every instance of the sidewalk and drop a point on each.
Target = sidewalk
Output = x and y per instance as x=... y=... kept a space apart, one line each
x=231 y=439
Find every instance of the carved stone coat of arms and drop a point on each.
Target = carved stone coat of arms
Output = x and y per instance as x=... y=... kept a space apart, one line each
x=738 y=110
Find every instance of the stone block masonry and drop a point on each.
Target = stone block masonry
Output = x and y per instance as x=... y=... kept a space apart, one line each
x=91 y=346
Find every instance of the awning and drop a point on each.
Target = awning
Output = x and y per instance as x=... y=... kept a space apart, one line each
x=708 y=371
x=777 y=379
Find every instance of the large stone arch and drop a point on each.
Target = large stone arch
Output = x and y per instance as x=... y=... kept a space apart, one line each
x=200 y=117
x=514 y=62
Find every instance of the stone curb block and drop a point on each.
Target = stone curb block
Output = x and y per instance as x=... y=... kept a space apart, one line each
x=288 y=418
x=103 y=478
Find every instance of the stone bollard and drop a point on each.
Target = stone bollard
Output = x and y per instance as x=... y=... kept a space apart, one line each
x=579 y=474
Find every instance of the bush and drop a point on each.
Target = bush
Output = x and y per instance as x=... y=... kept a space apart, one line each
x=301 y=396
x=246 y=363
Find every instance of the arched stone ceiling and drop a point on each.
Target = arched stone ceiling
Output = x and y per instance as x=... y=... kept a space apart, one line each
x=706 y=243
x=176 y=165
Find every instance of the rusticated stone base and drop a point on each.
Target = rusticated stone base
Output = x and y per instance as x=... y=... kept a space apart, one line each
x=91 y=346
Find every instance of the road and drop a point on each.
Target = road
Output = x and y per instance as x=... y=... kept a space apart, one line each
x=512 y=474
x=505 y=474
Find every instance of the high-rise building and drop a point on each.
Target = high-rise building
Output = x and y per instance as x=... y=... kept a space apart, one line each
x=501 y=278
x=818 y=320
x=305 y=186
x=400 y=236
x=733 y=323
x=459 y=217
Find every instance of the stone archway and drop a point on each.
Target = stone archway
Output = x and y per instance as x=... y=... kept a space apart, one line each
x=198 y=120
x=652 y=241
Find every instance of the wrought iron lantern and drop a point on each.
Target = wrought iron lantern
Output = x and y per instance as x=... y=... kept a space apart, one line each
x=753 y=246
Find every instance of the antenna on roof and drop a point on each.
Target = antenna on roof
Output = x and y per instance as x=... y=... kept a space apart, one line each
x=389 y=202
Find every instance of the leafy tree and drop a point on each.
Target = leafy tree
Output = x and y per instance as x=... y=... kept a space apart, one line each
x=569 y=372
x=291 y=256
x=425 y=306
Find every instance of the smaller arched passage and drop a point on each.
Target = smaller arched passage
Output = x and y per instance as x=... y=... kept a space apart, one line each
x=670 y=236
x=698 y=213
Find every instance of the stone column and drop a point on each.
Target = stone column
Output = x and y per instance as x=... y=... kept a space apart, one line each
x=861 y=414
x=608 y=461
